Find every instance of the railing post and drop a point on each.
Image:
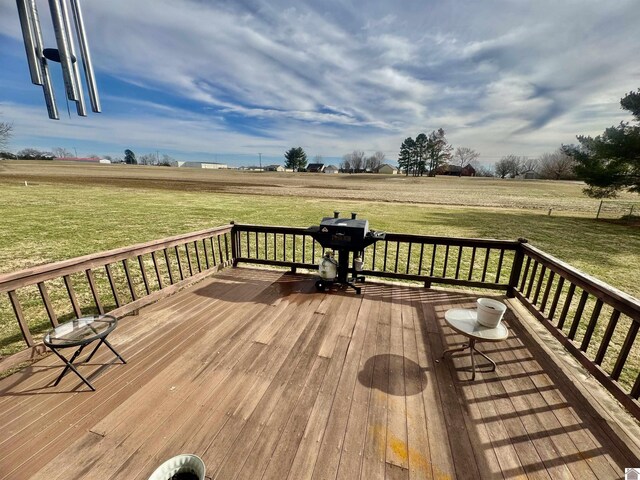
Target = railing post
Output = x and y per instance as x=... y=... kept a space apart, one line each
x=516 y=268
x=234 y=243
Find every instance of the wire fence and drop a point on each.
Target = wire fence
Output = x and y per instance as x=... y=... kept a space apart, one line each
x=615 y=210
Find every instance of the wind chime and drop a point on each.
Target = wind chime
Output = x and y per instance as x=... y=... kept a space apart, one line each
x=65 y=54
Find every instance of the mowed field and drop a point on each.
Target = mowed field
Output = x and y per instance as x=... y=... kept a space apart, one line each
x=67 y=210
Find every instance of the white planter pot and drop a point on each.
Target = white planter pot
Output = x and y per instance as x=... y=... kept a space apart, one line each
x=180 y=464
x=490 y=312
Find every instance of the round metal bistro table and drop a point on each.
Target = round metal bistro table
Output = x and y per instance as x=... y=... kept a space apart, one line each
x=465 y=322
x=81 y=332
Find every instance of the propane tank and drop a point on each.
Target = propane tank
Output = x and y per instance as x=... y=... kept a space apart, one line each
x=328 y=267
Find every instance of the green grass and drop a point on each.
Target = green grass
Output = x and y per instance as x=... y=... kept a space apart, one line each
x=67 y=211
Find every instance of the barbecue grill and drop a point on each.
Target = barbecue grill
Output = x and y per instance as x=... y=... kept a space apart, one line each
x=347 y=236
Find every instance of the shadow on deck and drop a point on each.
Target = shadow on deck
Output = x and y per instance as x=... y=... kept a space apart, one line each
x=263 y=377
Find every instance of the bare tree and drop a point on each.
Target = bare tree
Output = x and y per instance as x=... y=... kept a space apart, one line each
x=60 y=152
x=463 y=156
x=168 y=161
x=6 y=132
x=556 y=166
x=528 y=165
x=355 y=160
x=373 y=162
x=317 y=159
x=345 y=164
x=147 y=159
x=482 y=170
x=513 y=165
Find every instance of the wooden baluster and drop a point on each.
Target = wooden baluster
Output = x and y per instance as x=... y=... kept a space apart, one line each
x=624 y=351
x=179 y=263
x=294 y=248
x=500 y=260
x=567 y=304
x=284 y=247
x=213 y=252
x=458 y=262
x=556 y=298
x=72 y=296
x=206 y=254
x=22 y=323
x=256 y=242
x=433 y=259
x=386 y=248
x=266 y=248
x=576 y=319
x=533 y=275
x=421 y=257
x=543 y=271
x=486 y=265
x=606 y=339
x=226 y=247
x=53 y=318
x=591 y=325
x=156 y=268
x=547 y=290
x=127 y=274
x=373 y=259
x=145 y=280
x=524 y=276
x=155 y=264
x=395 y=270
x=274 y=246
x=473 y=261
x=635 y=391
x=248 y=245
x=304 y=246
x=186 y=250
x=408 y=258
x=94 y=290
x=195 y=247
x=446 y=260
x=112 y=284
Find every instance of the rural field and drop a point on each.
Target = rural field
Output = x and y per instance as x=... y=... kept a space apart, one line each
x=68 y=210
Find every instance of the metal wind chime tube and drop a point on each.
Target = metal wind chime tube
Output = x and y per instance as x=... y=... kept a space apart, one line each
x=65 y=53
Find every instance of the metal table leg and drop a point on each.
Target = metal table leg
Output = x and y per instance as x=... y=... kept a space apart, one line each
x=472 y=348
x=69 y=365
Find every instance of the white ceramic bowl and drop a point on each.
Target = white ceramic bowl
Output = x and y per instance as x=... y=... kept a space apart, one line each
x=490 y=312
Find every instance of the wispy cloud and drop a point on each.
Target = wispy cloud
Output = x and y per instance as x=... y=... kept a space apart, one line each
x=196 y=76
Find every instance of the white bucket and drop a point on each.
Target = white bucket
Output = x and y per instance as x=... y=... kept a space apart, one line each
x=180 y=464
x=490 y=312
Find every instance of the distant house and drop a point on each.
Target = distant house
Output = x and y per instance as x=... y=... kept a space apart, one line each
x=315 y=167
x=274 y=168
x=207 y=165
x=387 y=169
x=331 y=169
x=104 y=160
x=456 y=171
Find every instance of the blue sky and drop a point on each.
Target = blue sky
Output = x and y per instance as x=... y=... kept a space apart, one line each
x=205 y=80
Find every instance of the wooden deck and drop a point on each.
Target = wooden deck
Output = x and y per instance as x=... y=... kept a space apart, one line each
x=263 y=377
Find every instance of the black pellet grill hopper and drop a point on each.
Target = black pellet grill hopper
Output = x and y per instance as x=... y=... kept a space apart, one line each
x=347 y=236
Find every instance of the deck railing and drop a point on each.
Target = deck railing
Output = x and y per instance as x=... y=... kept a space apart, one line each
x=595 y=322
x=589 y=317
x=117 y=280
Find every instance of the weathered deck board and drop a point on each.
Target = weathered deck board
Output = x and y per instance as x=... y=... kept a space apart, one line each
x=264 y=377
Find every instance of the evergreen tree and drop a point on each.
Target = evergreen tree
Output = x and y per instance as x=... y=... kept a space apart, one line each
x=404 y=158
x=610 y=162
x=438 y=150
x=295 y=158
x=130 y=157
x=420 y=154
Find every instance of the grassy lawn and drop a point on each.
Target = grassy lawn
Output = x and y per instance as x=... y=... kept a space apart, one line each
x=67 y=211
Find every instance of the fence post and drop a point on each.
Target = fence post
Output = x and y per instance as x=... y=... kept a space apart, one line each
x=599 y=208
x=234 y=243
x=516 y=268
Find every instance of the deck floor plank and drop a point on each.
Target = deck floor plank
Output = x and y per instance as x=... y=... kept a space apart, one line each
x=264 y=377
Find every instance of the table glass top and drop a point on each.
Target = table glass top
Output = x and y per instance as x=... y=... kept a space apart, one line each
x=465 y=321
x=80 y=330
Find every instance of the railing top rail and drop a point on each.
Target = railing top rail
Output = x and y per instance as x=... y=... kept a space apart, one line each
x=31 y=276
x=620 y=300
x=402 y=237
